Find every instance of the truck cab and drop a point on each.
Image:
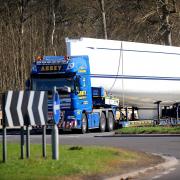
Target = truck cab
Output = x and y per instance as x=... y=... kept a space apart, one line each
x=80 y=106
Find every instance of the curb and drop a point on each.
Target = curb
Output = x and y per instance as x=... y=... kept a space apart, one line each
x=169 y=163
x=138 y=135
x=146 y=135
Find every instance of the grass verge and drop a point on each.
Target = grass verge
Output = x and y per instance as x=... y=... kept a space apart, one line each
x=149 y=130
x=74 y=163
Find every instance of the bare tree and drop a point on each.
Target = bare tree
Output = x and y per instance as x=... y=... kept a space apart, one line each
x=54 y=26
x=23 y=6
x=101 y=2
x=165 y=8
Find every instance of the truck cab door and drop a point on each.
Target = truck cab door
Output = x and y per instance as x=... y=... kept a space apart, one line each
x=84 y=93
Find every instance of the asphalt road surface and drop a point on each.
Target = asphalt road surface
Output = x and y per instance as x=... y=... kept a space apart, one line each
x=165 y=145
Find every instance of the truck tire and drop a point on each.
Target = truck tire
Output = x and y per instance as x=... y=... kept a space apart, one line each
x=110 y=122
x=102 y=123
x=84 y=124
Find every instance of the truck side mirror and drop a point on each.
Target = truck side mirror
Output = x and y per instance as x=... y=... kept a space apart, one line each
x=82 y=82
x=77 y=84
x=28 y=84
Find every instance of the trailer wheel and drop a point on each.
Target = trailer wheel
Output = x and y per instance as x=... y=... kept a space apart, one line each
x=110 y=122
x=84 y=124
x=102 y=123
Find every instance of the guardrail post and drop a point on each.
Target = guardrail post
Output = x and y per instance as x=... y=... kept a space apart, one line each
x=55 y=142
x=133 y=113
x=4 y=131
x=55 y=131
x=127 y=114
x=177 y=112
x=158 y=111
x=22 y=142
x=27 y=142
x=44 y=141
x=4 y=145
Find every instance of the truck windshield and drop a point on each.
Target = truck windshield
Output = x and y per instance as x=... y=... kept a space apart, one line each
x=48 y=84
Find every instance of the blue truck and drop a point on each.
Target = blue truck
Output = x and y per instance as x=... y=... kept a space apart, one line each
x=82 y=107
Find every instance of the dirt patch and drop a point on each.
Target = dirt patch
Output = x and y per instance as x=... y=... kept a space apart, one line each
x=144 y=160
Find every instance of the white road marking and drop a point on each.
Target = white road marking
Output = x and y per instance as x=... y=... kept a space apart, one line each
x=158 y=176
x=164 y=173
x=172 y=169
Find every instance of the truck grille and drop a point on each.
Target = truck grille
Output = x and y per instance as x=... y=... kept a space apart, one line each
x=65 y=103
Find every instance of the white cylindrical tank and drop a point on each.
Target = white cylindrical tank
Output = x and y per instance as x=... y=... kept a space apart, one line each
x=139 y=74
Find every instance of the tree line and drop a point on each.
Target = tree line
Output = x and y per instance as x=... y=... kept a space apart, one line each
x=38 y=27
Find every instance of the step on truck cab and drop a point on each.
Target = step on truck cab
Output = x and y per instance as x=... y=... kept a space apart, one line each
x=82 y=107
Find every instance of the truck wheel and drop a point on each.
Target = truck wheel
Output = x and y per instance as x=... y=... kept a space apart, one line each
x=102 y=124
x=110 y=122
x=84 y=124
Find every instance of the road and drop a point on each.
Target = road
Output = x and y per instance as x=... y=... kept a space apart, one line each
x=165 y=145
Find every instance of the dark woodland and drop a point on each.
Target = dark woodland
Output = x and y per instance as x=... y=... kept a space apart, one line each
x=39 y=27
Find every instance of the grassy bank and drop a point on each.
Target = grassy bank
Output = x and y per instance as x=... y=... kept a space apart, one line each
x=74 y=163
x=149 y=130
